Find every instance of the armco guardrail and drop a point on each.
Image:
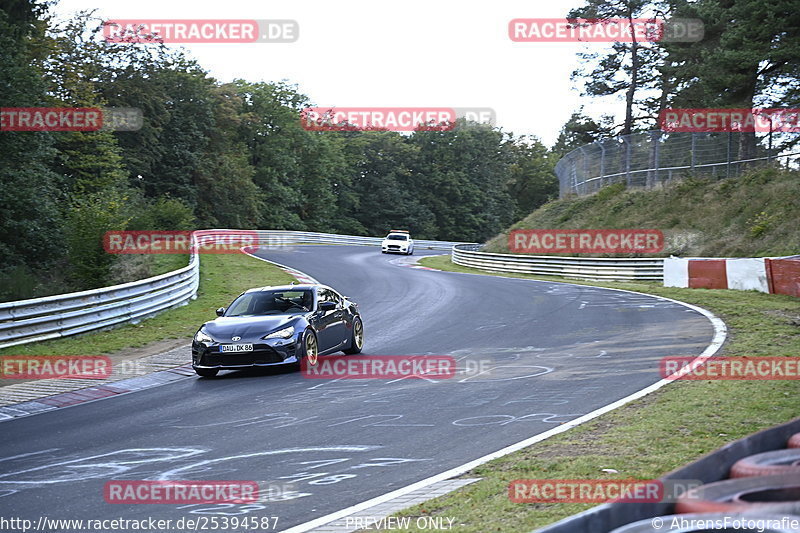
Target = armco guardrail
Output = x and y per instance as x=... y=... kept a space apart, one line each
x=590 y=268
x=62 y=315
x=51 y=317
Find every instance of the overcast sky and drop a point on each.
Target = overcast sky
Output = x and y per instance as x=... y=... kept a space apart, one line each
x=415 y=53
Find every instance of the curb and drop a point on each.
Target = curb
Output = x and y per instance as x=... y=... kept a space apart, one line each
x=98 y=392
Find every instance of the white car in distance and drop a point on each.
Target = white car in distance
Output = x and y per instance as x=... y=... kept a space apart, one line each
x=398 y=241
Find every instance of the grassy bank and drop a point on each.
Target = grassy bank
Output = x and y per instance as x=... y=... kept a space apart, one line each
x=753 y=215
x=222 y=277
x=648 y=437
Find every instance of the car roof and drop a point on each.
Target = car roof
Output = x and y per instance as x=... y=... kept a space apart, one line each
x=297 y=286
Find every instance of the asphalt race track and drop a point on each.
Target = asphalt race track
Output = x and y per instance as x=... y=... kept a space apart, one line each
x=551 y=353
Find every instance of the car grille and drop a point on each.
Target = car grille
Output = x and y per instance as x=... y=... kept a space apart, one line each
x=262 y=355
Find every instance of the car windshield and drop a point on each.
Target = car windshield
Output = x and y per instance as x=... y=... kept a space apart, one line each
x=259 y=303
x=397 y=237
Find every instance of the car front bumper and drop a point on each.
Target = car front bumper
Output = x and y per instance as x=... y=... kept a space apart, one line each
x=263 y=354
x=394 y=250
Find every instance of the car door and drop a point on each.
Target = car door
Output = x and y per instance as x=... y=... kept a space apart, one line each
x=331 y=330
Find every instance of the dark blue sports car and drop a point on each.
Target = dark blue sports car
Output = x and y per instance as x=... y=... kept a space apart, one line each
x=277 y=326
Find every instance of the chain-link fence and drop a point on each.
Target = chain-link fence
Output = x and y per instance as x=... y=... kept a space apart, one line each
x=655 y=158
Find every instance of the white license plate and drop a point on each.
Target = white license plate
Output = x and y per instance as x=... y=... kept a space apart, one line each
x=235 y=348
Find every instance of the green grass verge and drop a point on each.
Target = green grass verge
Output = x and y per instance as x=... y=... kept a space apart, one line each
x=754 y=215
x=164 y=263
x=646 y=438
x=222 y=277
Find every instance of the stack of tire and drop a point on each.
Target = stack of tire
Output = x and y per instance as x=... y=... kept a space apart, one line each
x=763 y=489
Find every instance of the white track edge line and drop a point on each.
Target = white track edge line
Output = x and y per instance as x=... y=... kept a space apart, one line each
x=720 y=334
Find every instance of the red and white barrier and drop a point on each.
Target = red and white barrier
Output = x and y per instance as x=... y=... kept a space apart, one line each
x=780 y=275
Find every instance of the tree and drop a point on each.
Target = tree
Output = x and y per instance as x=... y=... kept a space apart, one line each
x=30 y=192
x=532 y=181
x=629 y=68
x=580 y=130
x=461 y=176
x=749 y=57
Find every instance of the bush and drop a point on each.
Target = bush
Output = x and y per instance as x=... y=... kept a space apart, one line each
x=87 y=222
x=166 y=214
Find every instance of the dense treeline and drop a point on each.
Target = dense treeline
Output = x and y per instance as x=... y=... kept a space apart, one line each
x=234 y=155
x=224 y=155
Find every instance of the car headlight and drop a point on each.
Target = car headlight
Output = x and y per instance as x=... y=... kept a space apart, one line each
x=284 y=333
x=202 y=336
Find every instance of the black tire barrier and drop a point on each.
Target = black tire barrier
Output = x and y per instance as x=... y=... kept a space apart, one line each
x=707 y=469
x=767 y=494
x=768 y=464
x=701 y=522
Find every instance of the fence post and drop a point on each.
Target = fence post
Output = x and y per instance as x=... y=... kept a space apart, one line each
x=728 y=158
x=574 y=167
x=694 y=151
x=655 y=138
x=627 y=160
x=602 y=163
x=585 y=170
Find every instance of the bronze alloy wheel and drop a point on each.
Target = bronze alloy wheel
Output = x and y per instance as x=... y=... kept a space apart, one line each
x=311 y=348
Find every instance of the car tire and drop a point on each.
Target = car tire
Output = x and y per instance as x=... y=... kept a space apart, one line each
x=768 y=464
x=768 y=494
x=794 y=441
x=207 y=372
x=310 y=344
x=356 y=338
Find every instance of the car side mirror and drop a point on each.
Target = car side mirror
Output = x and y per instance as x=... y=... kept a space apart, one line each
x=327 y=306
x=220 y=311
